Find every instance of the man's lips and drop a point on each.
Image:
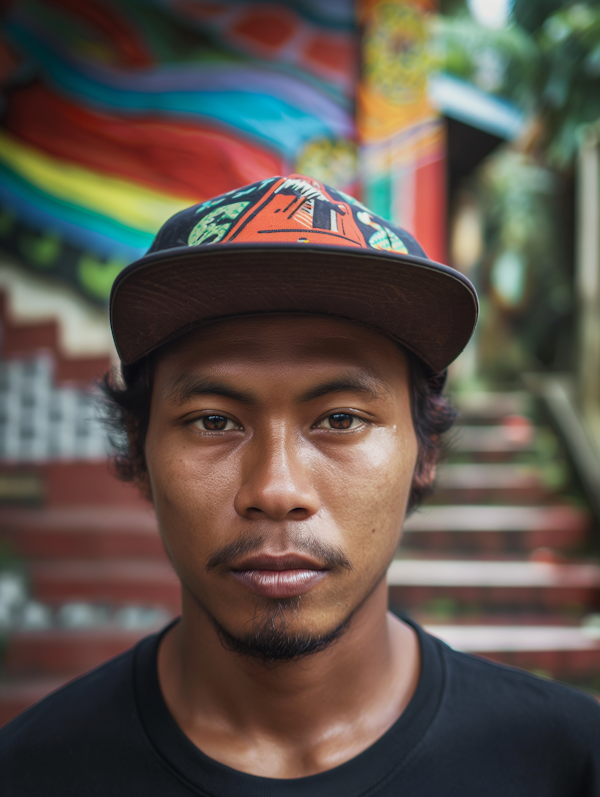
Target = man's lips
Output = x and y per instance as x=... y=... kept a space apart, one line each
x=283 y=576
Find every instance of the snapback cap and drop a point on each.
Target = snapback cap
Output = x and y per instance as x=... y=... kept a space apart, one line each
x=290 y=245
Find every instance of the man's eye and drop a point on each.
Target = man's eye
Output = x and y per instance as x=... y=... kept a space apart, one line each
x=215 y=423
x=339 y=420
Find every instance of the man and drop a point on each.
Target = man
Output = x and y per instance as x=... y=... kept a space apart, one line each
x=283 y=354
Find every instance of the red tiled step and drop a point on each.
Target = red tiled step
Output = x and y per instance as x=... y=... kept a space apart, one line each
x=17 y=695
x=535 y=585
x=490 y=482
x=66 y=652
x=82 y=532
x=490 y=405
x=524 y=618
x=500 y=574
x=115 y=582
x=496 y=528
x=493 y=439
x=70 y=484
x=489 y=476
x=560 y=651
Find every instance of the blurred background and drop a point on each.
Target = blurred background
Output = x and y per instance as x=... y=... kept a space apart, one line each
x=475 y=125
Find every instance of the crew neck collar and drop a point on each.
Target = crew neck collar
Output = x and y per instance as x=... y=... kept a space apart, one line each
x=366 y=771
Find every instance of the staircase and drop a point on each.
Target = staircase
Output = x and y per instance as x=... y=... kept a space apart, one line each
x=83 y=574
x=500 y=562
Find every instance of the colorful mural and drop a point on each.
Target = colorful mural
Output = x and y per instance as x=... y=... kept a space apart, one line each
x=402 y=136
x=118 y=114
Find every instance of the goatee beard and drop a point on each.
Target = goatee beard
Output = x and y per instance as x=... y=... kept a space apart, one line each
x=270 y=640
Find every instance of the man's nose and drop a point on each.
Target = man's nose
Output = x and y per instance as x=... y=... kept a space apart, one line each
x=276 y=480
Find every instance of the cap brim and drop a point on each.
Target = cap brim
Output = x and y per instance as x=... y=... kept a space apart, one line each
x=430 y=308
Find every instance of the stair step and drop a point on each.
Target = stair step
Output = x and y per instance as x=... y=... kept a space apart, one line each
x=504 y=585
x=491 y=405
x=494 y=574
x=68 y=652
x=485 y=481
x=83 y=532
x=501 y=439
x=149 y=583
x=447 y=618
x=560 y=651
x=484 y=638
x=496 y=528
x=79 y=483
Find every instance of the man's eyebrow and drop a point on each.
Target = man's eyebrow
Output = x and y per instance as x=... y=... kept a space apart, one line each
x=354 y=383
x=189 y=386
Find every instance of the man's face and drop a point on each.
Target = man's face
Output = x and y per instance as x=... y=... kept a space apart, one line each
x=280 y=455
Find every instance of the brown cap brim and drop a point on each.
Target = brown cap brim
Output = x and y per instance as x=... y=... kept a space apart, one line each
x=430 y=308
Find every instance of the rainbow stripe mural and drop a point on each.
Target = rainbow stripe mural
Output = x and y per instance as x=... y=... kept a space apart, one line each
x=118 y=113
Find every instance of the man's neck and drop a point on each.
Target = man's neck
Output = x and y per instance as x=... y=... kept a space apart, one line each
x=290 y=719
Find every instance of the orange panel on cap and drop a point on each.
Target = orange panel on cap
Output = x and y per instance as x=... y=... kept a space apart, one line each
x=298 y=211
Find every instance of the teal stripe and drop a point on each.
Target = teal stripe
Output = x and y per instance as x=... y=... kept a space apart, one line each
x=265 y=117
x=75 y=214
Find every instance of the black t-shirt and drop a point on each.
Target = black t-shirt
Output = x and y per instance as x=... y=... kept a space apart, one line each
x=472 y=729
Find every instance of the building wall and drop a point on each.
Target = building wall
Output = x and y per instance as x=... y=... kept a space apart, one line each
x=402 y=136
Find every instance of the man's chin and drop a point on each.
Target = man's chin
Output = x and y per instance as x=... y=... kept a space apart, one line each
x=276 y=636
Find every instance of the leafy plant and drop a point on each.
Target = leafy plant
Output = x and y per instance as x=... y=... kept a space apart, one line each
x=549 y=65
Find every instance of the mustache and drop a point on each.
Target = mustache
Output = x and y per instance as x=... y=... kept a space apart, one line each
x=330 y=556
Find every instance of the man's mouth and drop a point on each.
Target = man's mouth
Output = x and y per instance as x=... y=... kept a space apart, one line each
x=284 y=576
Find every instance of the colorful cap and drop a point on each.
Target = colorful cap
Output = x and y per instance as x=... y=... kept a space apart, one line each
x=290 y=245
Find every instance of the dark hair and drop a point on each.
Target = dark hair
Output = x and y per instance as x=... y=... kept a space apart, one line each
x=126 y=413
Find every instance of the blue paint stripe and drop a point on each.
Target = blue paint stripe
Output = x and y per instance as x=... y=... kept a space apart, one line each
x=80 y=227
x=266 y=117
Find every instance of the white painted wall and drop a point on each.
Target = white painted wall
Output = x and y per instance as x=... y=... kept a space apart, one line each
x=83 y=329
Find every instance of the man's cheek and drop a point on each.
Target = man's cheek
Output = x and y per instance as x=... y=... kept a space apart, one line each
x=372 y=522
x=377 y=484
x=185 y=482
x=390 y=510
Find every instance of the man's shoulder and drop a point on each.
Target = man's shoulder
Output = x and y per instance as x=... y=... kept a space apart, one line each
x=86 y=738
x=72 y=712
x=514 y=694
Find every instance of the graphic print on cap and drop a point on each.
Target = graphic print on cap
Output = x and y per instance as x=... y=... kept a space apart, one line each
x=383 y=238
x=214 y=225
x=295 y=209
x=299 y=208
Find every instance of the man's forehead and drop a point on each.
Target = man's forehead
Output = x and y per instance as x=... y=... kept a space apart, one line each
x=322 y=354
x=248 y=389
x=289 y=334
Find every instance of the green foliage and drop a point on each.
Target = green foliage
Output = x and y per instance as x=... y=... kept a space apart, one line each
x=549 y=65
x=491 y=59
x=448 y=7
x=523 y=276
x=569 y=43
x=531 y=14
